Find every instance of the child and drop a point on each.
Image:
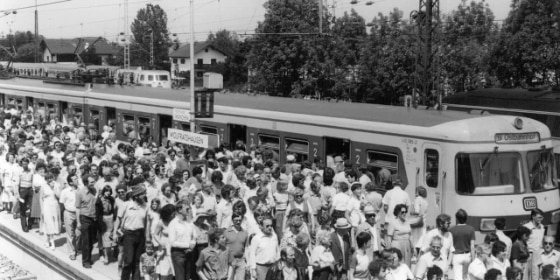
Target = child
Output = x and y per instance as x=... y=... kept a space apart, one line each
x=281 y=199
x=148 y=263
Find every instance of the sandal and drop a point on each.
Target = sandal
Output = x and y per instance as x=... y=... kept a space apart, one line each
x=73 y=257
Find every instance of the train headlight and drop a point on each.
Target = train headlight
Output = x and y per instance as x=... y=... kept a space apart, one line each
x=518 y=123
x=555 y=218
x=487 y=224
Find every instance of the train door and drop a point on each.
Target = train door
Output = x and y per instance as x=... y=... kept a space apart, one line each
x=64 y=112
x=165 y=122
x=111 y=117
x=28 y=103
x=238 y=133
x=336 y=147
x=433 y=179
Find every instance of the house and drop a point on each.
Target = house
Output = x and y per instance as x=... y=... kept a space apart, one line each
x=205 y=54
x=64 y=50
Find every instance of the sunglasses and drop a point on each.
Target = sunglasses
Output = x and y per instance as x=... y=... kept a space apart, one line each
x=548 y=243
x=299 y=196
x=436 y=247
x=404 y=212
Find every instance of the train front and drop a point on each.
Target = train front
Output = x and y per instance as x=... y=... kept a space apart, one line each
x=505 y=169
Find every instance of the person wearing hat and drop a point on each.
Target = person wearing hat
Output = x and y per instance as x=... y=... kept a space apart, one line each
x=340 y=246
x=370 y=227
x=131 y=224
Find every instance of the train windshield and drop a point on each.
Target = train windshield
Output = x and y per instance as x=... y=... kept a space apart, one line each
x=542 y=175
x=489 y=173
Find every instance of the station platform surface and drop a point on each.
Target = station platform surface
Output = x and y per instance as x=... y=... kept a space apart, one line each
x=32 y=244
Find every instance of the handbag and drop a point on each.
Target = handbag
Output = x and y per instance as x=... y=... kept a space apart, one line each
x=416 y=221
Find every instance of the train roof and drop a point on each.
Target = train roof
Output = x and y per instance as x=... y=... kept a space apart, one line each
x=526 y=99
x=358 y=111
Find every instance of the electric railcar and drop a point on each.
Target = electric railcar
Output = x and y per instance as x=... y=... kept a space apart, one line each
x=490 y=165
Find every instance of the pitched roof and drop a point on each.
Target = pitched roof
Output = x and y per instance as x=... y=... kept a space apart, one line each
x=68 y=46
x=184 y=51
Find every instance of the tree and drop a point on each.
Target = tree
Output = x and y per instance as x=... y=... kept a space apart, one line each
x=388 y=63
x=234 y=69
x=150 y=22
x=283 y=44
x=468 y=33
x=16 y=41
x=528 y=52
x=26 y=53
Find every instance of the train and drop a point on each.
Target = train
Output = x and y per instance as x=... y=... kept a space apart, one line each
x=490 y=165
x=541 y=104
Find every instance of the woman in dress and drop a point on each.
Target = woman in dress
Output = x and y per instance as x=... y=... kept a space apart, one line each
x=51 y=209
x=160 y=238
x=38 y=183
x=399 y=233
x=105 y=206
x=419 y=211
x=153 y=217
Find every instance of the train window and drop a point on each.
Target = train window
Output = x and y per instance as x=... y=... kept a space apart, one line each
x=163 y=77
x=129 y=127
x=432 y=167
x=95 y=118
x=271 y=142
x=150 y=78
x=298 y=148
x=185 y=127
x=142 y=77
x=205 y=129
x=383 y=160
x=541 y=170
x=554 y=125
x=489 y=173
x=111 y=117
x=144 y=126
x=19 y=104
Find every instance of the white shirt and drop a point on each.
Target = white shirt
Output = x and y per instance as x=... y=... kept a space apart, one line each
x=68 y=198
x=497 y=264
x=181 y=234
x=535 y=239
x=476 y=270
x=504 y=238
x=447 y=242
x=392 y=198
x=263 y=250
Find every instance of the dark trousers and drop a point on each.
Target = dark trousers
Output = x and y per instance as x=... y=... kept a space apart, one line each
x=88 y=232
x=183 y=263
x=27 y=195
x=134 y=245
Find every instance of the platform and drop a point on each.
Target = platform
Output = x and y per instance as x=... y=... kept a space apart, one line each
x=33 y=253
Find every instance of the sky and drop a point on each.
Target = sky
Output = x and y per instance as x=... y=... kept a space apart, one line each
x=93 y=18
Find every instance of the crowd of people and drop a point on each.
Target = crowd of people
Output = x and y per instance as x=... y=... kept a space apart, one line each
x=177 y=212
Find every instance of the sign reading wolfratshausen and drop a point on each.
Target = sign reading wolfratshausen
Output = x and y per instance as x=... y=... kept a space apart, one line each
x=189 y=138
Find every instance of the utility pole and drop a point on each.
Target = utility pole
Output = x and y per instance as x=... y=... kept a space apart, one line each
x=127 y=39
x=427 y=18
x=35 y=46
x=191 y=84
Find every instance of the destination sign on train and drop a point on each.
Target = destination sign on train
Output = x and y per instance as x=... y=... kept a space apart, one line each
x=189 y=138
x=517 y=138
x=181 y=115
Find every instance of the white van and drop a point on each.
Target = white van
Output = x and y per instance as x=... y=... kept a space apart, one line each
x=154 y=78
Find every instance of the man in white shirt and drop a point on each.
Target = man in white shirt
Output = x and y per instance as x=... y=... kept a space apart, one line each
x=68 y=199
x=478 y=266
x=182 y=240
x=549 y=255
x=395 y=196
x=534 y=244
x=500 y=224
x=443 y=221
x=264 y=250
x=433 y=257
x=370 y=227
